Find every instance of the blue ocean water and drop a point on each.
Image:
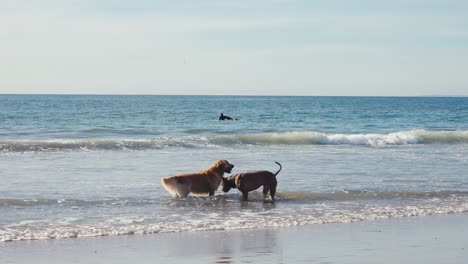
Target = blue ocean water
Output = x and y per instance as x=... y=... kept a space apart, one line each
x=87 y=165
x=64 y=116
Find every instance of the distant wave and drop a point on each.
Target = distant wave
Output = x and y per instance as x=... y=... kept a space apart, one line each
x=115 y=131
x=287 y=138
x=318 y=138
x=95 y=144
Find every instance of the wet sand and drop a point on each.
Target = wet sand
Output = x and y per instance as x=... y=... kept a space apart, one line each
x=427 y=239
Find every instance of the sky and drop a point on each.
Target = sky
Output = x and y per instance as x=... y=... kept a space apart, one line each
x=220 y=47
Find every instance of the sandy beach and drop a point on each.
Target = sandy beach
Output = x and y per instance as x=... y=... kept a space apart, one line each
x=427 y=239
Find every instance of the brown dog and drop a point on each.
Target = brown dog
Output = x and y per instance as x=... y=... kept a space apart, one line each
x=203 y=182
x=250 y=181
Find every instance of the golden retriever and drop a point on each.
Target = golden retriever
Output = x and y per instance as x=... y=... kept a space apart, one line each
x=250 y=181
x=203 y=182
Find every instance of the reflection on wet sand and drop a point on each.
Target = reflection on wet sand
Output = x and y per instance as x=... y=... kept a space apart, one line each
x=226 y=247
x=246 y=247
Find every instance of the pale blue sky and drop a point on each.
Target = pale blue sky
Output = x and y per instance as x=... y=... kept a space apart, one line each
x=376 y=48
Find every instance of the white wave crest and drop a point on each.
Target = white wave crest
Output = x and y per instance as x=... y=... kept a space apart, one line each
x=318 y=138
x=286 y=138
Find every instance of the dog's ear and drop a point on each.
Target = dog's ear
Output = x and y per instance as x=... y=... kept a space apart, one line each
x=219 y=164
x=222 y=164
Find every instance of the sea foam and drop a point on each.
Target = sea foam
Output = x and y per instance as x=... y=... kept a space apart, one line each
x=292 y=209
x=315 y=213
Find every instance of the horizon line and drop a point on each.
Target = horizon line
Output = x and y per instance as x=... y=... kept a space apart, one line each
x=232 y=95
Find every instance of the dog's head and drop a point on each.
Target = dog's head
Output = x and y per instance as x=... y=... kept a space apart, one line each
x=224 y=166
x=227 y=184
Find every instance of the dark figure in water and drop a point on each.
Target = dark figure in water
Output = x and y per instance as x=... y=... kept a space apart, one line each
x=223 y=117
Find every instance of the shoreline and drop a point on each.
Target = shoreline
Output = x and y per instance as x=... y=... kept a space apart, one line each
x=418 y=239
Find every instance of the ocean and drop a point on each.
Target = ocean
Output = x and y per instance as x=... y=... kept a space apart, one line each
x=91 y=165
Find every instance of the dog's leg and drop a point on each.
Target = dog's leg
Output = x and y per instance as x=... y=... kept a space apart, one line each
x=245 y=195
x=211 y=193
x=273 y=190
x=266 y=188
x=182 y=191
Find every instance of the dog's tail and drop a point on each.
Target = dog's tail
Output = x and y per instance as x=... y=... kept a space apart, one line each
x=279 y=168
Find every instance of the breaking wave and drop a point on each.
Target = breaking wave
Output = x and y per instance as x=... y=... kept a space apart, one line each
x=287 y=138
x=341 y=207
x=318 y=138
x=97 y=144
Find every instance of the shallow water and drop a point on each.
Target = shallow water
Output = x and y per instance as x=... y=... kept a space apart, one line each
x=74 y=166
